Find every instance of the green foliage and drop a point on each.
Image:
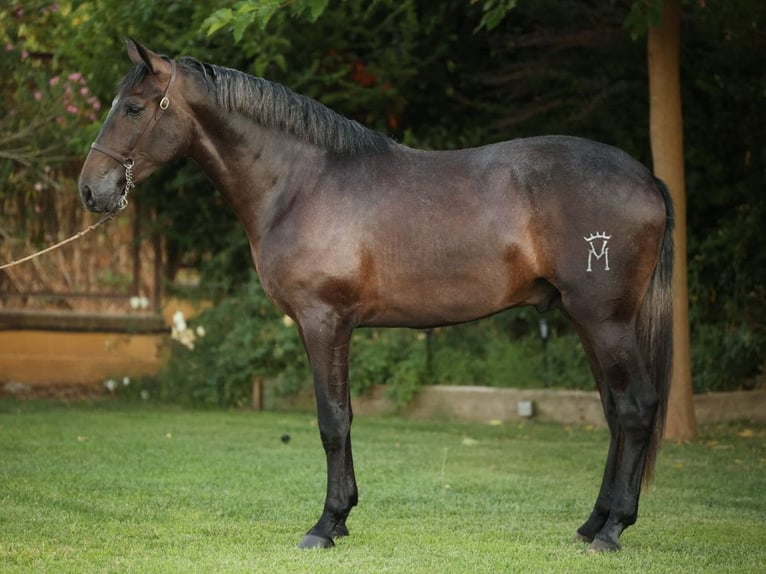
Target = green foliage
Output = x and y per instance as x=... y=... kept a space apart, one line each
x=508 y=352
x=726 y=159
x=722 y=355
x=395 y=357
x=728 y=290
x=245 y=13
x=47 y=110
x=241 y=338
x=643 y=15
x=494 y=13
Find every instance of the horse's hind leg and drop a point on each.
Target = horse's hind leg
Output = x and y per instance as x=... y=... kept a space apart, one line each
x=630 y=405
x=600 y=514
x=326 y=338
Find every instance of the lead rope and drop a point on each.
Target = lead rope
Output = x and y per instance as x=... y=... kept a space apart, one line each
x=121 y=204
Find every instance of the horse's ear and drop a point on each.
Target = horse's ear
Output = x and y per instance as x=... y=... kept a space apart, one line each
x=137 y=54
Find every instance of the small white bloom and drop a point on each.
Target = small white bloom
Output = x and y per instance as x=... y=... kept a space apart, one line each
x=187 y=339
x=287 y=321
x=110 y=385
x=125 y=381
x=179 y=321
x=200 y=331
x=135 y=302
x=145 y=395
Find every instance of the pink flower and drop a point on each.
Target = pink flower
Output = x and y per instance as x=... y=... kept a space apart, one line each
x=72 y=109
x=9 y=47
x=54 y=81
x=95 y=103
x=84 y=91
x=38 y=95
x=24 y=54
x=75 y=77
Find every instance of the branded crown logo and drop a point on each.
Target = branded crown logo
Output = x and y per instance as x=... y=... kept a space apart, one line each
x=596 y=240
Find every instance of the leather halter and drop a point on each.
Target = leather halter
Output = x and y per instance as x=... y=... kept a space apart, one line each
x=128 y=161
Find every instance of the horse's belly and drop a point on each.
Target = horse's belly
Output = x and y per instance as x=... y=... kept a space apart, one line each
x=443 y=299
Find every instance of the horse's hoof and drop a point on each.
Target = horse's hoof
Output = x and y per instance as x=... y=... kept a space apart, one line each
x=340 y=531
x=599 y=546
x=314 y=541
x=579 y=537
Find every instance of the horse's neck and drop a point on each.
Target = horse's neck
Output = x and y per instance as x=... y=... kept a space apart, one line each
x=252 y=166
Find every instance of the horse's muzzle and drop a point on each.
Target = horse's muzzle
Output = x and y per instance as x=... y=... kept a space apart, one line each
x=99 y=202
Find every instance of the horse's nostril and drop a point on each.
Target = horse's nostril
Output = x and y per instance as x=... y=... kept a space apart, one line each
x=86 y=193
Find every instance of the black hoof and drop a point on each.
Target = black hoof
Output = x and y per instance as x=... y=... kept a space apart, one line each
x=340 y=531
x=599 y=546
x=580 y=537
x=314 y=541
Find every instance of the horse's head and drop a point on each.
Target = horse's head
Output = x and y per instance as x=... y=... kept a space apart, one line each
x=147 y=126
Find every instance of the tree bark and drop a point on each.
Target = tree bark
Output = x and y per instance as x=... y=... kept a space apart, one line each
x=666 y=131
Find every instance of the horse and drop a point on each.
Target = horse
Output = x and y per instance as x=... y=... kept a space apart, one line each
x=348 y=228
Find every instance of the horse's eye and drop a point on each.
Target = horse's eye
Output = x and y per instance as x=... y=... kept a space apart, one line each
x=134 y=110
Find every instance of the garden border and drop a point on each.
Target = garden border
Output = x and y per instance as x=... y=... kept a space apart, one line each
x=501 y=405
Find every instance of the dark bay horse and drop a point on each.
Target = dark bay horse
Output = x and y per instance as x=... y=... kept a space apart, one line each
x=348 y=228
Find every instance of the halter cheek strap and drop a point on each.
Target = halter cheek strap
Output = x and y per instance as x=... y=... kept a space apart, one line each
x=127 y=161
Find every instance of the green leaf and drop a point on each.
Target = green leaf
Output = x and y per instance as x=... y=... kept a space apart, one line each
x=217 y=20
x=266 y=13
x=240 y=24
x=316 y=8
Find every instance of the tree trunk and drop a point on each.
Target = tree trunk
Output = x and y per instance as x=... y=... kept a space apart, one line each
x=666 y=131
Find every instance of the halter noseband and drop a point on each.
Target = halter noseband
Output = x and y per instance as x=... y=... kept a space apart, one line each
x=127 y=161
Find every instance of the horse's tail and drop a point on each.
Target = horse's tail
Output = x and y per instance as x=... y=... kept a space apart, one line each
x=655 y=330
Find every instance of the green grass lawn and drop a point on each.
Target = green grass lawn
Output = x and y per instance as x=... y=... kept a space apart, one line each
x=116 y=487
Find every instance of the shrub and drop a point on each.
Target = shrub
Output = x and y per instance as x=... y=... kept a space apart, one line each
x=242 y=338
x=482 y=356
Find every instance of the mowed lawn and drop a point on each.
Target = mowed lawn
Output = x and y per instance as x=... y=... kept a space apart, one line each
x=121 y=487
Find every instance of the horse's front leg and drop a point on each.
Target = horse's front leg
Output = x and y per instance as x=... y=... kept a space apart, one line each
x=326 y=338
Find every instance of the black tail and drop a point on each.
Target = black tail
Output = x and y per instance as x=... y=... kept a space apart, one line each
x=655 y=330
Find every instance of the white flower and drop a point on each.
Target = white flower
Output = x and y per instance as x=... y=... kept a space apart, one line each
x=135 y=302
x=179 y=321
x=110 y=385
x=145 y=395
x=181 y=333
x=287 y=321
x=125 y=381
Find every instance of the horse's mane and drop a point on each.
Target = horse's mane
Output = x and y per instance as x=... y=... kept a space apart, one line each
x=275 y=106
